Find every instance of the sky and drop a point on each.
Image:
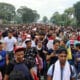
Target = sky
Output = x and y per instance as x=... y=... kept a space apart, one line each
x=43 y=7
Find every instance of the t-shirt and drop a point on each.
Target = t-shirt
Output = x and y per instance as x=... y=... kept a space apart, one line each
x=50 y=44
x=10 y=43
x=41 y=54
x=30 y=55
x=13 y=65
x=53 y=59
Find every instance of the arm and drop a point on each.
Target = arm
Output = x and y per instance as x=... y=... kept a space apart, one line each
x=49 y=56
x=5 y=44
x=6 y=77
x=73 y=75
x=49 y=78
x=7 y=59
x=9 y=68
x=73 y=79
x=50 y=73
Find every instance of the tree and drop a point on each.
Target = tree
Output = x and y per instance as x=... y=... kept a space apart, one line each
x=77 y=12
x=45 y=19
x=28 y=15
x=56 y=18
x=65 y=19
x=69 y=11
x=7 y=11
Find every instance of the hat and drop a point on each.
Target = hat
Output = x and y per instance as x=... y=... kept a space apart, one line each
x=60 y=50
x=19 y=48
x=27 y=40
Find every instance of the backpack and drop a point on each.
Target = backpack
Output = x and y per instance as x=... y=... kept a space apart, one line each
x=54 y=67
x=22 y=69
x=39 y=62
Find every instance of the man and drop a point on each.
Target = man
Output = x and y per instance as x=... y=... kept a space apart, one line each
x=18 y=64
x=61 y=70
x=31 y=54
x=52 y=53
x=10 y=41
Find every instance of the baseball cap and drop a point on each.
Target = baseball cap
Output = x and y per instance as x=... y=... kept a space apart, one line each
x=19 y=48
x=27 y=40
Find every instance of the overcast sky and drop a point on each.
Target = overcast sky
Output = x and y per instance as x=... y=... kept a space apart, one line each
x=43 y=7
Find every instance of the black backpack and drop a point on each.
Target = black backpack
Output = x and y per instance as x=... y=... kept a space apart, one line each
x=21 y=68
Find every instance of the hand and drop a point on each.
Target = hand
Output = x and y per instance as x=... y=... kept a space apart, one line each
x=45 y=52
x=52 y=54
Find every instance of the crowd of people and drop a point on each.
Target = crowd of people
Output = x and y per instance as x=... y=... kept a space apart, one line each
x=39 y=52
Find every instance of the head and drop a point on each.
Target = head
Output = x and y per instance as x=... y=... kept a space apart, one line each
x=62 y=56
x=62 y=43
x=39 y=44
x=10 y=34
x=19 y=54
x=78 y=46
x=41 y=36
x=28 y=43
x=54 y=36
x=56 y=44
x=73 y=37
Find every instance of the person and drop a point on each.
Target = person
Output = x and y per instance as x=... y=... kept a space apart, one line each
x=61 y=70
x=52 y=53
x=9 y=43
x=41 y=62
x=31 y=54
x=63 y=43
x=18 y=64
x=77 y=58
x=3 y=59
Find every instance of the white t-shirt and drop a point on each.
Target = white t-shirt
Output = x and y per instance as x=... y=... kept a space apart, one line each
x=23 y=44
x=10 y=43
x=50 y=44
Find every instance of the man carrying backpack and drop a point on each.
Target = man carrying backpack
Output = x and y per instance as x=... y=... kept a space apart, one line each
x=61 y=70
x=17 y=66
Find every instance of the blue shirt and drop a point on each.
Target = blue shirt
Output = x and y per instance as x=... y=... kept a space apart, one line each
x=2 y=58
